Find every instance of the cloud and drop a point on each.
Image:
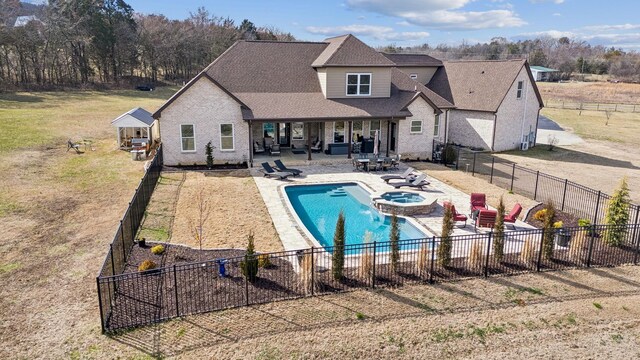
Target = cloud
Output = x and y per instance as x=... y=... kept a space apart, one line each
x=544 y=1
x=382 y=33
x=605 y=35
x=612 y=27
x=556 y=34
x=440 y=14
x=556 y=14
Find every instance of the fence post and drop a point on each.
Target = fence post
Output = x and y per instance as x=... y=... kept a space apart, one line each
x=313 y=270
x=473 y=170
x=246 y=291
x=113 y=266
x=457 y=159
x=433 y=258
x=564 y=194
x=373 y=277
x=486 y=261
x=100 y=304
x=493 y=162
x=175 y=293
x=535 y=191
x=635 y=238
x=124 y=253
x=595 y=214
x=539 y=265
x=513 y=175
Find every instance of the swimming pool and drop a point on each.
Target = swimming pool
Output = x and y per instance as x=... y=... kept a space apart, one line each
x=318 y=206
x=402 y=197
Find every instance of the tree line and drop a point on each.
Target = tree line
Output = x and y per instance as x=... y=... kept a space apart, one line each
x=567 y=55
x=97 y=42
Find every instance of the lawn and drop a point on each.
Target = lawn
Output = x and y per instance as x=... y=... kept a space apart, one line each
x=620 y=128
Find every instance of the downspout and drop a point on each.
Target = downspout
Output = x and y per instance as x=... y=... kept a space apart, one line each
x=524 y=115
x=250 y=144
x=495 y=125
x=446 y=126
x=388 y=135
x=535 y=138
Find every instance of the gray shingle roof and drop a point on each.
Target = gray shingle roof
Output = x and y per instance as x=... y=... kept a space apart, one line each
x=139 y=114
x=476 y=85
x=402 y=60
x=347 y=50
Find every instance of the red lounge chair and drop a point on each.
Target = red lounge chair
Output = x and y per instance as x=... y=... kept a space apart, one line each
x=456 y=215
x=513 y=215
x=486 y=218
x=478 y=202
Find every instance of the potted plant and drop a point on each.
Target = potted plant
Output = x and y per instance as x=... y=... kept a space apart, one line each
x=589 y=228
x=142 y=242
x=562 y=235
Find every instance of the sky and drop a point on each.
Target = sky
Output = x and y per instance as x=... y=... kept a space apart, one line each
x=414 y=22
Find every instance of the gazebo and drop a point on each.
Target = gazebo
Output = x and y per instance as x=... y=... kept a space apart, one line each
x=135 y=127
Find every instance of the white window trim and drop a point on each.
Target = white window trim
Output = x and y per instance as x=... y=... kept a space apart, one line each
x=436 y=126
x=303 y=132
x=411 y=127
x=414 y=76
x=195 y=145
x=344 y=136
x=371 y=131
x=519 y=91
x=346 y=85
x=233 y=137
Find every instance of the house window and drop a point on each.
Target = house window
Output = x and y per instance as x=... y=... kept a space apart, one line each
x=269 y=130
x=226 y=137
x=358 y=84
x=188 y=138
x=520 y=87
x=414 y=76
x=436 y=126
x=375 y=125
x=357 y=130
x=338 y=132
x=297 y=131
x=416 y=126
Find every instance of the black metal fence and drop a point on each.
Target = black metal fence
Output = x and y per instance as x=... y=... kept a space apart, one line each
x=568 y=196
x=136 y=299
x=123 y=241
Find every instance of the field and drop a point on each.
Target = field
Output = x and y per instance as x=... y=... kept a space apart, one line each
x=59 y=211
x=594 y=92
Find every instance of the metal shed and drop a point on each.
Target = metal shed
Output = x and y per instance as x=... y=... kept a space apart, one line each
x=135 y=127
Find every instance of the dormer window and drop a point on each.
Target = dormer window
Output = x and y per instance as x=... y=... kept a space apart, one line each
x=359 y=84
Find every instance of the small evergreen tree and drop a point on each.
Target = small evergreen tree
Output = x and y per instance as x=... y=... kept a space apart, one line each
x=394 y=238
x=618 y=215
x=548 y=231
x=498 y=233
x=209 y=151
x=249 y=266
x=337 y=260
x=444 y=249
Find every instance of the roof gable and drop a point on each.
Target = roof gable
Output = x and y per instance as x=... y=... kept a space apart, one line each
x=347 y=50
x=138 y=114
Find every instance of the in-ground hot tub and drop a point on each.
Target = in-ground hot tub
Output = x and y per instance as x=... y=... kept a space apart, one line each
x=406 y=203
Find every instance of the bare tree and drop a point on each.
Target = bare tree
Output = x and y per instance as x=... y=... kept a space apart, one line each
x=203 y=210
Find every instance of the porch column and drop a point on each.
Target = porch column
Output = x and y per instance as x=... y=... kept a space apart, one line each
x=309 y=141
x=388 y=136
x=250 y=144
x=119 y=138
x=349 y=139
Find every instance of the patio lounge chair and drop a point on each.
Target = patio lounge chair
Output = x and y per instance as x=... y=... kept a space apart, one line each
x=486 y=218
x=478 y=202
x=283 y=168
x=270 y=172
x=74 y=146
x=513 y=215
x=456 y=215
x=406 y=174
x=419 y=182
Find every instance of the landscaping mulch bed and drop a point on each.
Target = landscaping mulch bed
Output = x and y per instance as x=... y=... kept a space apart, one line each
x=568 y=220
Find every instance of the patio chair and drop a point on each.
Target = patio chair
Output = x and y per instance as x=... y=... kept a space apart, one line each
x=268 y=142
x=275 y=149
x=357 y=164
x=486 y=218
x=404 y=176
x=270 y=172
x=74 y=146
x=386 y=164
x=456 y=215
x=513 y=215
x=283 y=168
x=418 y=182
x=395 y=162
x=478 y=202
x=257 y=148
x=317 y=147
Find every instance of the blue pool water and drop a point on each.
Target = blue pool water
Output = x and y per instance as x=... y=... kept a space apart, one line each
x=318 y=207
x=402 y=197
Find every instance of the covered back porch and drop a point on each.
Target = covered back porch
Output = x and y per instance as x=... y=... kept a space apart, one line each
x=325 y=141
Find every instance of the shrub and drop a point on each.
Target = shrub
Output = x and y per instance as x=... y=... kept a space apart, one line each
x=146 y=265
x=264 y=261
x=618 y=215
x=540 y=214
x=444 y=250
x=449 y=154
x=157 y=250
x=208 y=149
x=584 y=222
x=249 y=266
x=558 y=224
x=365 y=269
x=578 y=244
x=306 y=272
x=423 y=259
x=549 y=231
x=337 y=260
x=528 y=252
x=394 y=238
x=498 y=233
x=475 y=255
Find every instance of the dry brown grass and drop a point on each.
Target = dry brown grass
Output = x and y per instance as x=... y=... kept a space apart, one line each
x=236 y=209
x=593 y=92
